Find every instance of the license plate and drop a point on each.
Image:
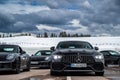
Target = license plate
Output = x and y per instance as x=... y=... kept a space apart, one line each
x=34 y=62
x=78 y=65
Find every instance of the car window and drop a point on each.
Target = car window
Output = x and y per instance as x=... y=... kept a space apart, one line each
x=38 y=54
x=114 y=53
x=47 y=53
x=43 y=53
x=7 y=49
x=64 y=45
x=105 y=52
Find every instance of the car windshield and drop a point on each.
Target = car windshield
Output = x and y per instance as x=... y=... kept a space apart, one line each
x=43 y=53
x=114 y=53
x=74 y=44
x=7 y=49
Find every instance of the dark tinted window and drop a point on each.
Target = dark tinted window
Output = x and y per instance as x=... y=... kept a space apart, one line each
x=105 y=52
x=7 y=48
x=74 y=44
x=110 y=53
x=114 y=53
x=43 y=53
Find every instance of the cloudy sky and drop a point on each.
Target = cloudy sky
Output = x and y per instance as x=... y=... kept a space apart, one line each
x=73 y=16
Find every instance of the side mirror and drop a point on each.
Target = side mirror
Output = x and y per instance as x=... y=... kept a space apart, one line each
x=96 y=48
x=52 y=48
x=23 y=52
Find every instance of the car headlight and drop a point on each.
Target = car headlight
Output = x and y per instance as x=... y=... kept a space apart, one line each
x=10 y=57
x=47 y=58
x=99 y=56
x=56 y=57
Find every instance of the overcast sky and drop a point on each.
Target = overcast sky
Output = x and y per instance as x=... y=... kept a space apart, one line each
x=73 y=16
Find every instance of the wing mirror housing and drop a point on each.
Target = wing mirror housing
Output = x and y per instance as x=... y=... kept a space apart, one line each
x=32 y=55
x=52 y=48
x=96 y=48
x=23 y=52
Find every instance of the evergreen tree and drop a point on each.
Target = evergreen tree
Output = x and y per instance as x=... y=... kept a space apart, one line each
x=76 y=35
x=60 y=35
x=55 y=35
x=25 y=34
x=29 y=34
x=52 y=35
x=38 y=35
x=10 y=35
x=69 y=35
x=3 y=35
x=81 y=35
x=63 y=34
x=45 y=34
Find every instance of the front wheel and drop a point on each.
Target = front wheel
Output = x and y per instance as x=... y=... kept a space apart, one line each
x=28 y=66
x=99 y=73
x=119 y=63
x=52 y=73
x=17 y=71
x=106 y=65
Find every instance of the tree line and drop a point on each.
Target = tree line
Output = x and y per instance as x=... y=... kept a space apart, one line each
x=63 y=34
x=45 y=35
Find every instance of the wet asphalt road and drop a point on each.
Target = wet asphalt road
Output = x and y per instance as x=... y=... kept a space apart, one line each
x=43 y=74
x=112 y=73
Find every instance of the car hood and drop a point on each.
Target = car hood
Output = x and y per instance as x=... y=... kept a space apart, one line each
x=3 y=55
x=76 y=51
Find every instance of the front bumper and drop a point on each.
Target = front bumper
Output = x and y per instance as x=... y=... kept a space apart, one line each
x=7 y=66
x=40 y=64
x=66 y=67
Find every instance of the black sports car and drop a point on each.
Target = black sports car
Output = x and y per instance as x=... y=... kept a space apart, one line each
x=76 y=56
x=111 y=57
x=41 y=59
x=13 y=58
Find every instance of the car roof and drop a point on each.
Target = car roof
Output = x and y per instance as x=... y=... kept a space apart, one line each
x=73 y=41
x=107 y=50
x=45 y=50
x=8 y=45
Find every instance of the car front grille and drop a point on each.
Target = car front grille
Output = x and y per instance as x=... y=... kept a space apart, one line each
x=77 y=59
x=2 y=58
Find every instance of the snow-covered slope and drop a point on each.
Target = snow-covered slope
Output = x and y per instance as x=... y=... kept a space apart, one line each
x=30 y=42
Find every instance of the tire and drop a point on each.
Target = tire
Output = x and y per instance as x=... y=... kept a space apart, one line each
x=17 y=71
x=99 y=73
x=52 y=73
x=119 y=63
x=106 y=65
x=28 y=66
x=56 y=73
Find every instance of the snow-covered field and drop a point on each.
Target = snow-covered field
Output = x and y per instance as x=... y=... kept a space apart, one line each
x=32 y=44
